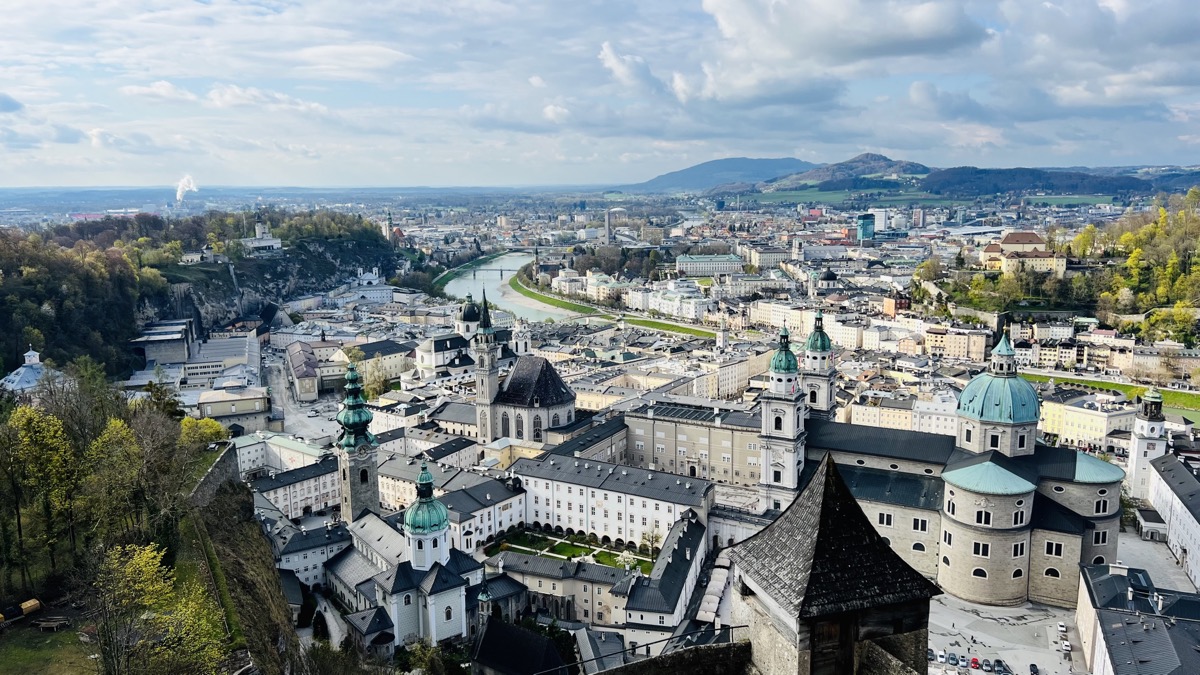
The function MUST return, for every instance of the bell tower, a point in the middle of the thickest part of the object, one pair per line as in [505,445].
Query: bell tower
[487,374]
[781,443]
[1149,442]
[356,449]
[818,375]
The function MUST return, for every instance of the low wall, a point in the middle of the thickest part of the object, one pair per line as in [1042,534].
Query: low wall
[222,471]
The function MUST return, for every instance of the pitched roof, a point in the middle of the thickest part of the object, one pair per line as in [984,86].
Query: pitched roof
[661,486]
[662,590]
[327,465]
[534,381]
[511,650]
[369,621]
[1017,238]
[894,443]
[822,556]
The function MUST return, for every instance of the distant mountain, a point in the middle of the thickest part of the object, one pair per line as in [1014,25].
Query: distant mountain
[720,172]
[866,164]
[969,181]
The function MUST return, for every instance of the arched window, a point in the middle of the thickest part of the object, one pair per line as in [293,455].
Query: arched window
[449,614]
[554,421]
[1098,560]
[407,600]
[918,546]
[946,561]
[1018,573]
[537,428]
[420,545]
[778,423]
[812,396]
[886,541]
[504,425]
[520,426]
[435,543]
[979,572]
[1051,572]
[362,476]
[570,416]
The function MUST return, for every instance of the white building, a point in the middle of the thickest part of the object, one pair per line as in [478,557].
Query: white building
[301,492]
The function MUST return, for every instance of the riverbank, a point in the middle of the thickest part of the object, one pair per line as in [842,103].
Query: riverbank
[1171,398]
[520,288]
[450,275]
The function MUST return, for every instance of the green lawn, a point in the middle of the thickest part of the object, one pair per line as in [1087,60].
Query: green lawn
[609,558]
[569,550]
[549,300]
[704,281]
[1171,398]
[28,651]
[670,327]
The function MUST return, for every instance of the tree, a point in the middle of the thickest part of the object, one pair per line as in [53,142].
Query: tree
[354,353]
[43,446]
[200,432]
[930,270]
[375,380]
[651,539]
[143,625]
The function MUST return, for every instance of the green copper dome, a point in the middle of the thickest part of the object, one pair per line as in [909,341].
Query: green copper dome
[999,395]
[818,340]
[784,360]
[427,515]
[354,417]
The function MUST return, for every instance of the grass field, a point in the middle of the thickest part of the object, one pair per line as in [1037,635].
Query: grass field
[1173,399]
[569,550]
[670,327]
[549,300]
[28,651]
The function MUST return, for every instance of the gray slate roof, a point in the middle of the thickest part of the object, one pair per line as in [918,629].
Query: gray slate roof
[822,556]
[534,378]
[661,591]
[556,569]
[327,465]
[893,443]
[590,437]
[666,487]
[1181,480]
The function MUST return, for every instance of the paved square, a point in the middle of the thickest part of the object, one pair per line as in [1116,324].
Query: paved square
[1156,558]
[1020,635]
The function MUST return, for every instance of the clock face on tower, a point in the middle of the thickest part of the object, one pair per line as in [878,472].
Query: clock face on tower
[363,450]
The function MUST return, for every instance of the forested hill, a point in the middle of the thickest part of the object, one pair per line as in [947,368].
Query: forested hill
[720,172]
[969,181]
[85,288]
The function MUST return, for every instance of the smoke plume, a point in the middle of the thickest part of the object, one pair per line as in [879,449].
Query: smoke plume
[186,185]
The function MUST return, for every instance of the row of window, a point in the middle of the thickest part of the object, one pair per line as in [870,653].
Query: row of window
[994,440]
[1053,548]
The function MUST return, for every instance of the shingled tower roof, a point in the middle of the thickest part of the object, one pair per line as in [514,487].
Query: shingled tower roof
[822,556]
[534,382]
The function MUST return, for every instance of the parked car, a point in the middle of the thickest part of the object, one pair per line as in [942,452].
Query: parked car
[941,656]
[1000,666]
[986,666]
[952,659]
[313,413]
[975,663]
[1033,669]
[930,655]
[1062,627]
[1066,646]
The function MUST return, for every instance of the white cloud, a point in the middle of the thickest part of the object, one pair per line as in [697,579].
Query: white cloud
[160,90]
[233,96]
[556,113]
[537,82]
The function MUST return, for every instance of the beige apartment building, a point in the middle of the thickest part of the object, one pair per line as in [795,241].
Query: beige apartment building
[721,446]
[242,410]
[956,343]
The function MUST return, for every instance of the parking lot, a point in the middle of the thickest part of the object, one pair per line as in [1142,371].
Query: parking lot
[1021,636]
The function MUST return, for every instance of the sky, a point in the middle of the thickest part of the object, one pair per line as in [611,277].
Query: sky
[550,92]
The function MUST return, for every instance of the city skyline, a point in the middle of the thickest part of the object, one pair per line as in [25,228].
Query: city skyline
[541,93]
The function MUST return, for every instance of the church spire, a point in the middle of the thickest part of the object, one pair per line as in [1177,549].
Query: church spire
[354,417]
[485,316]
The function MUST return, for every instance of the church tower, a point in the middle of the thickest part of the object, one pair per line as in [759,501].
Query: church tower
[722,336]
[487,374]
[521,340]
[781,443]
[818,375]
[1149,442]
[356,449]
[467,321]
[998,410]
[427,526]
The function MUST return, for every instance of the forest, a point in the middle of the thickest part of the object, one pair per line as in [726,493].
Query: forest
[77,290]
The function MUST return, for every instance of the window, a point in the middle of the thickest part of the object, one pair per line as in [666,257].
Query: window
[918,546]
[504,430]
[920,525]
[537,428]
[778,423]
[1100,537]
[1054,548]
[1019,549]
[660,620]
[420,545]
[1059,488]
[994,441]
[1098,560]
[777,476]
[979,572]
[983,517]
[520,426]
[1018,573]
[1051,572]
[982,550]
[554,420]
[885,519]
[1101,506]
[950,507]
[967,435]
[362,476]
[1018,518]
[1021,441]
[947,538]
[407,600]
[946,561]
[435,543]
[449,613]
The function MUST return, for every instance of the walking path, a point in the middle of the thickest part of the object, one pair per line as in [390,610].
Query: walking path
[334,621]
[592,550]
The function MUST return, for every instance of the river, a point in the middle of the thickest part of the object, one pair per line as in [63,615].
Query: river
[498,291]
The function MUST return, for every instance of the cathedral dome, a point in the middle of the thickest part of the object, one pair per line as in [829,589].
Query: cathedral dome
[999,395]
[427,515]
[469,311]
[784,360]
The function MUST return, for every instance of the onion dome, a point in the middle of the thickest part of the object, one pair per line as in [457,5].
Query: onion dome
[999,395]
[427,515]
[469,311]
[784,360]
[354,417]
[818,339]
